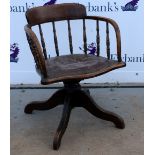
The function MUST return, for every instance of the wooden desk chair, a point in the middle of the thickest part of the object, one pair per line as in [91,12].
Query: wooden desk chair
[70,69]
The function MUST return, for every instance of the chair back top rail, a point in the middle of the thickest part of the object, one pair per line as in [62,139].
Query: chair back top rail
[55,13]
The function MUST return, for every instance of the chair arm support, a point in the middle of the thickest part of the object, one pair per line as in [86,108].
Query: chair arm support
[36,50]
[117,32]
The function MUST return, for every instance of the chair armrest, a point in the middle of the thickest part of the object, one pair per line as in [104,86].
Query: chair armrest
[36,50]
[117,32]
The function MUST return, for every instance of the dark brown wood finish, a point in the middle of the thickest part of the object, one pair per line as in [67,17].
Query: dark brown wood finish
[36,51]
[63,123]
[98,37]
[84,37]
[70,69]
[42,41]
[65,67]
[72,96]
[55,39]
[56,99]
[107,40]
[70,37]
[55,13]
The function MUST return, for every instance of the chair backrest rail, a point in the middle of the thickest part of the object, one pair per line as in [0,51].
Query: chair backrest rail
[42,42]
[70,37]
[55,39]
[84,36]
[98,37]
[107,40]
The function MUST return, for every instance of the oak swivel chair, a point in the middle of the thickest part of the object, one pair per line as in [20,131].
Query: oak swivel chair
[72,68]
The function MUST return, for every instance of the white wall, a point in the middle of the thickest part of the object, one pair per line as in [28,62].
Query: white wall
[130,23]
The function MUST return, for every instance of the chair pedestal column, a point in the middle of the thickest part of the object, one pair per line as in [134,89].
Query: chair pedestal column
[72,96]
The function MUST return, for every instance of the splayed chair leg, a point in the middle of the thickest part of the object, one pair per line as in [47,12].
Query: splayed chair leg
[63,123]
[89,104]
[56,99]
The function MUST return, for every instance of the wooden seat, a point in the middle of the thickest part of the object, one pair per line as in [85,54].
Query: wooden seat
[78,67]
[72,68]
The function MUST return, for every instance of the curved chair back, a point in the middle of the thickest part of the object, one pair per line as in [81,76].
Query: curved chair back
[67,11]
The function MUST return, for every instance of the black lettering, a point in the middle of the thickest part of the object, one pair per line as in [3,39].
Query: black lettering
[103,8]
[125,57]
[116,6]
[129,59]
[109,7]
[90,8]
[14,9]
[26,6]
[138,59]
[98,8]
[95,8]
[29,6]
[10,8]
[21,7]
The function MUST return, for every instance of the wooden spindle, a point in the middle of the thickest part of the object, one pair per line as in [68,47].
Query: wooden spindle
[107,40]
[55,39]
[70,37]
[98,37]
[42,41]
[84,37]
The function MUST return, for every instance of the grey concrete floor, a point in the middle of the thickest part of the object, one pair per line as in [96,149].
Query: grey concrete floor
[85,135]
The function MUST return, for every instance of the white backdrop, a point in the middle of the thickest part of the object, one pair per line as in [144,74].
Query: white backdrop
[130,23]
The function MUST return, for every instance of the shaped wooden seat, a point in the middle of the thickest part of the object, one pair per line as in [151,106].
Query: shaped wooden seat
[78,67]
[72,68]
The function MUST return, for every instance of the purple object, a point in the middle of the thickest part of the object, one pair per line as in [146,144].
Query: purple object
[130,6]
[91,48]
[14,52]
[51,2]
[133,3]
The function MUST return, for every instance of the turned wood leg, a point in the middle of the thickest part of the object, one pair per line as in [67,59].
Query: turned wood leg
[89,104]
[56,99]
[63,123]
